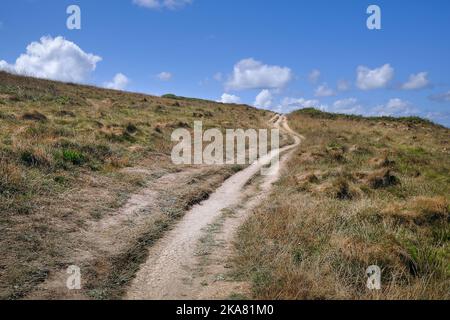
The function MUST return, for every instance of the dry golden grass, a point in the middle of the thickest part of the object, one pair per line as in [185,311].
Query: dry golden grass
[64,149]
[419,210]
[359,192]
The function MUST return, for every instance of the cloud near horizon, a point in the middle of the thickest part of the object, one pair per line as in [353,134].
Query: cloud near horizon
[396,107]
[393,107]
[229,98]
[252,74]
[290,104]
[119,82]
[348,106]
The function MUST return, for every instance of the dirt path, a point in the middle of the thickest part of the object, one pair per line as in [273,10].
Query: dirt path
[171,270]
[100,241]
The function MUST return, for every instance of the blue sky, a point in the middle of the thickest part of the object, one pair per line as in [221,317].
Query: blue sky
[288,53]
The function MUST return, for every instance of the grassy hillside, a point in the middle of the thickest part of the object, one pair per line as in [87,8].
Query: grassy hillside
[359,192]
[72,155]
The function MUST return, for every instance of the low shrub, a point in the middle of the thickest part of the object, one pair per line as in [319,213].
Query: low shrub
[74,157]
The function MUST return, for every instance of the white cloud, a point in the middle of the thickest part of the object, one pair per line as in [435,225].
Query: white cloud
[264,99]
[4,66]
[314,76]
[119,82]
[343,85]
[441,97]
[55,59]
[160,4]
[416,81]
[324,91]
[290,104]
[230,98]
[368,79]
[349,106]
[395,107]
[164,76]
[301,102]
[252,74]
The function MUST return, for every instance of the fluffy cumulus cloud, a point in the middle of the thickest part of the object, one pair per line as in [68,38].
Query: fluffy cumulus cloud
[417,81]
[395,107]
[160,4]
[119,82]
[368,79]
[314,76]
[441,97]
[55,59]
[164,76]
[264,99]
[229,98]
[252,74]
[324,91]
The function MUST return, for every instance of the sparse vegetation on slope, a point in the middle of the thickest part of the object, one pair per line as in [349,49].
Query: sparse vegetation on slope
[65,151]
[317,114]
[359,192]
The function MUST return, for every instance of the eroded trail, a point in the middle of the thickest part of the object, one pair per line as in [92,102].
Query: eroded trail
[171,270]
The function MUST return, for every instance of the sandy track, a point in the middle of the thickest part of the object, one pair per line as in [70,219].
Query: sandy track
[169,272]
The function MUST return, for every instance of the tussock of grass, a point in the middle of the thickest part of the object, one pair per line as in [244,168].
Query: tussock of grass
[420,210]
[34,115]
[381,179]
[359,192]
[11,180]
